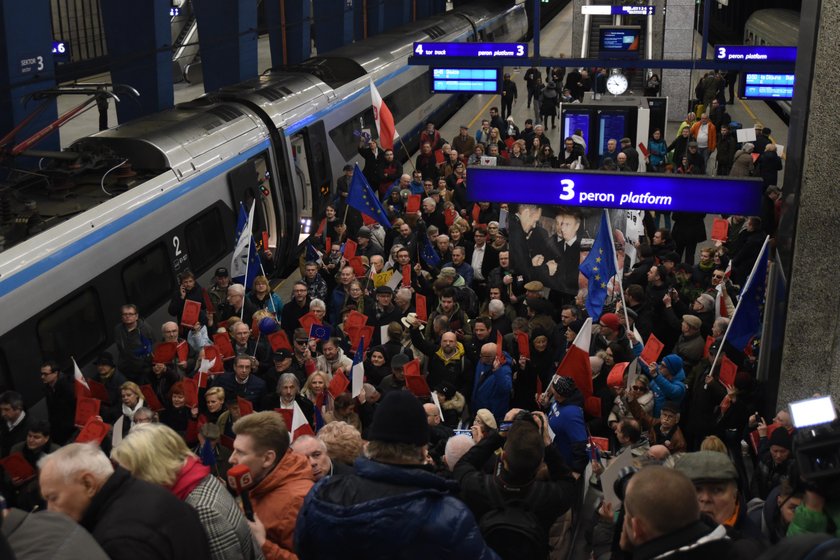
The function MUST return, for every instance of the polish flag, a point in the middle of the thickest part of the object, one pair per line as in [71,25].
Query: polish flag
[82,389]
[300,427]
[576,362]
[384,119]
[358,370]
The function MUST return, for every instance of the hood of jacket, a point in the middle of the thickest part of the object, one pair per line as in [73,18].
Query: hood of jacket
[291,468]
[456,356]
[456,403]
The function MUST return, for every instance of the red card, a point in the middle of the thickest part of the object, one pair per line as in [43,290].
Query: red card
[245,406]
[652,349]
[350,249]
[208,303]
[265,240]
[328,245]
[644,149]
[94,430]
[476,211]
[358,266]
[500,353]
[86,407]
[164,352]
[189,317]
[288,415]
[449,216]
[151,398]
[720,230]
[338,384]
[278,340]
[18,468]
[728,370]
[709,341]
[439,157]
[190,392]
[308,320]
[212,353]
[412,368]
[601,443]
[98,391]
[592,406]
[406,275]
[183,351]
[222,343]
[417,385]
[412,204]
[255,328]
[616,376]
[355,319]
[420,307]
[356,335]
[523,344]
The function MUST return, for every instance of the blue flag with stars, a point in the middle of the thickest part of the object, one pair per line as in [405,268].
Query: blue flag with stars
[362,198]
[599,268]
[746,322]
[430,256]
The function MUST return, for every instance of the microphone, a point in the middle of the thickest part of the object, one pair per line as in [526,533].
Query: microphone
[239,479]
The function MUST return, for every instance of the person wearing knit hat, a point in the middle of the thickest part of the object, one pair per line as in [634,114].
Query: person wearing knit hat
[391,503]
[667,380]
[565,417]
[774,459]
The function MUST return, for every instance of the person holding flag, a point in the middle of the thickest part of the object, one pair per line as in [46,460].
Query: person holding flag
[245,263]
[599,267]
[364,199]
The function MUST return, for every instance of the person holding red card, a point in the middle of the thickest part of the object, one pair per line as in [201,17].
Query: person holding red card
[242,382]
[108,376]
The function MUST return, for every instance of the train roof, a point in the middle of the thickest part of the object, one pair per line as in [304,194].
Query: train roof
[775,26]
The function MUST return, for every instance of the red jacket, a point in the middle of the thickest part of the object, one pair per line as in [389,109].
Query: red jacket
[277,499]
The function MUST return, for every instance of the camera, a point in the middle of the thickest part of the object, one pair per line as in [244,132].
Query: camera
[817,444]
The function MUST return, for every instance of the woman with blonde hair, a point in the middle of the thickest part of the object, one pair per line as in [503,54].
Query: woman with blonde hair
[157,454]
[262,296]
[315,388]
[132,401]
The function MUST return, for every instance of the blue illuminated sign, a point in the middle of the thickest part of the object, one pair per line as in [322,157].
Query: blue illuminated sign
[465,80]
[631,191]
[632,10]
[767,86]
[475,50]
[755,52]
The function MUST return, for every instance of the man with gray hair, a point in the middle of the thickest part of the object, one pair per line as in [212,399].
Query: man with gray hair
[237,305]
[316,451]
[456,447]
[121,512]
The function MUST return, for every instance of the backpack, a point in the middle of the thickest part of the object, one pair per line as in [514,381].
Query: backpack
[511,529]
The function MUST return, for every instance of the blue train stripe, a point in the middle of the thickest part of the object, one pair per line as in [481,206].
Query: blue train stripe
[98,235]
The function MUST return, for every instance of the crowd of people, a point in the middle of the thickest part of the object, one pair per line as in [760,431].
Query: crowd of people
[420,393]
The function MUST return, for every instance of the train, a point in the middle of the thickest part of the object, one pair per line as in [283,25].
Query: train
[773,27]
[117,216]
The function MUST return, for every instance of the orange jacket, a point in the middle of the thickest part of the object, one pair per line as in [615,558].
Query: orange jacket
[277,499]
[695,128]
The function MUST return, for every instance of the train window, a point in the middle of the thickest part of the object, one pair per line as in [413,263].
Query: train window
[148,280]
[253,181]
[75,327]
[206,240]
[408,98]
[343,137]
[5,374]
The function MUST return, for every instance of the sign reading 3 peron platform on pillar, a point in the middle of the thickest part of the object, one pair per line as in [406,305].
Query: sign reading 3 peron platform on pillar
[631,191]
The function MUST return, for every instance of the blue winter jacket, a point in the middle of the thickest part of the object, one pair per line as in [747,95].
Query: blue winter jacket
[491,389]
[665,390]
[387,511]
[570,437]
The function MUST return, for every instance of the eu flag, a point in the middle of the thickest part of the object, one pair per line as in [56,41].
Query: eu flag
[599,268]
[321,332]
[430,256]
[245,264]
[746,322]
[362,198]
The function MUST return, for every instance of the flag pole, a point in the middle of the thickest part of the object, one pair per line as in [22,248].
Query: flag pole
[247,261]
[748,284]
[619,272]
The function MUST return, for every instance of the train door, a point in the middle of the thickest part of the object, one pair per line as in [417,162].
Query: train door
[254,182]
[313,177]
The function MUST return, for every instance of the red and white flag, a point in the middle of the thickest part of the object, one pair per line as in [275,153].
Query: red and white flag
[384,119]
[81,384]
[576,362]
[300,427]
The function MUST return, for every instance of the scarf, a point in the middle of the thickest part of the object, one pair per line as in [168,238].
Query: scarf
[190,476]
[734,518]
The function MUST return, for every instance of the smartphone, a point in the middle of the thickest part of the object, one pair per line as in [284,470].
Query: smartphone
[504,427]
[463,433]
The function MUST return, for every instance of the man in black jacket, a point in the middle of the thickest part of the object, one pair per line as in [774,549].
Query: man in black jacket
[61,401]
[122,513]
[526,444]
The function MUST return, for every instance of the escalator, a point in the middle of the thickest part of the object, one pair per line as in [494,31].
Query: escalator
[185,50]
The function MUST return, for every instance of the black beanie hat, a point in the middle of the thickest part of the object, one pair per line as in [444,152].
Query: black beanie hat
[400,418]
[780,437]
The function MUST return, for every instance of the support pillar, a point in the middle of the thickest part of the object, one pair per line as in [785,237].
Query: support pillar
[288,23]
[429,8]
[397,14]
[333,23]
[375,17]
[677,44]
[26,66]
[808,361]
[139,42]
[227,36]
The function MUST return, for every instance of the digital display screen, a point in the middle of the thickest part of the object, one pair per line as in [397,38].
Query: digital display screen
[629,191]
[466,80]
[767,86]
[620,41]
[475,50]
[576,121]
[610,125]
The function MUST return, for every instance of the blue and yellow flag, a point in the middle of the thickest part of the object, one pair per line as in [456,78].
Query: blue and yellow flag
[599,268]
[362,198]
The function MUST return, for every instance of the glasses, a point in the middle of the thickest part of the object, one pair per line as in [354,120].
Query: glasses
[129,314]
[719,277]
[637,388]
[301,342]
